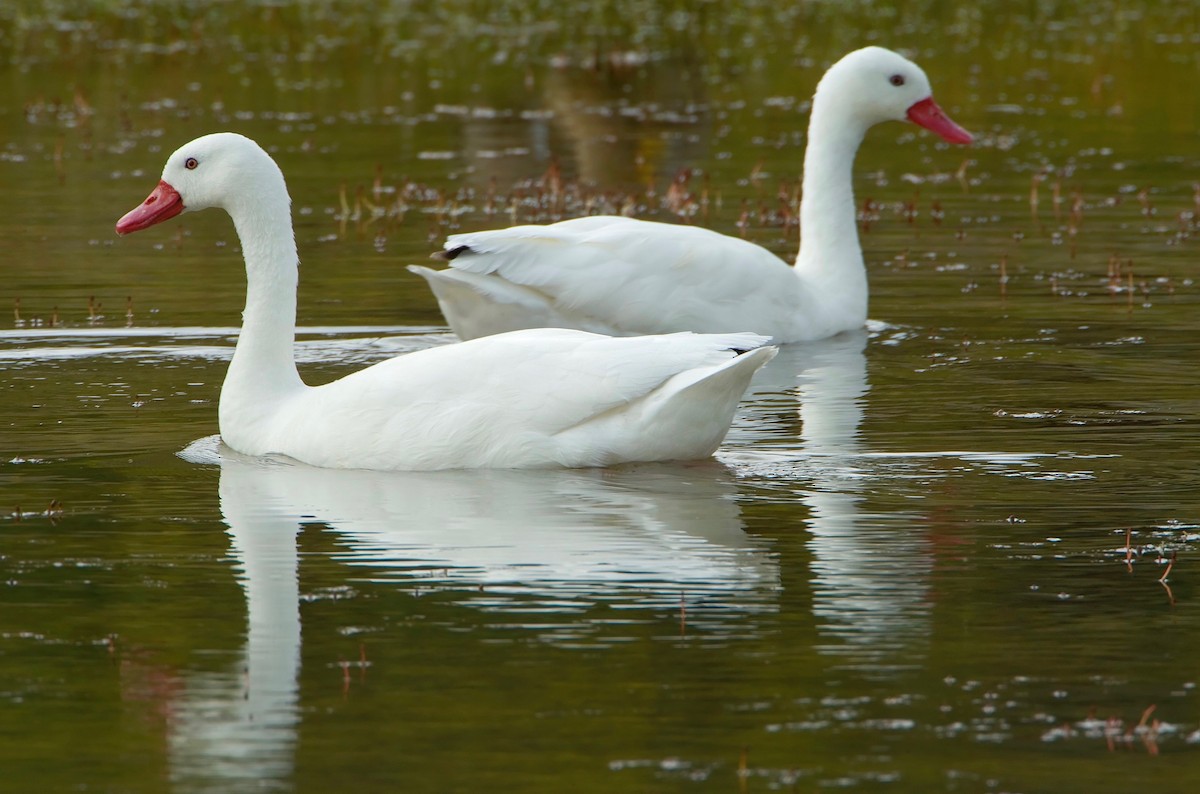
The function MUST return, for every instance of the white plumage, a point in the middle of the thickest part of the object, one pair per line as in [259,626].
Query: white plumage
[537,398]
[621,276]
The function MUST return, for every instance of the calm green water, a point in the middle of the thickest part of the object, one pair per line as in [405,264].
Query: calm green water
[906,570]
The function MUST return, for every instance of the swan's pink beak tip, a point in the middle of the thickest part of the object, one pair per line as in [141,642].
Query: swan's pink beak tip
[927,114]
[163,203]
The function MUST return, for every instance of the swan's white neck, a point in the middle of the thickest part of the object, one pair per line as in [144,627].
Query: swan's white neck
[830,260]
[263,369]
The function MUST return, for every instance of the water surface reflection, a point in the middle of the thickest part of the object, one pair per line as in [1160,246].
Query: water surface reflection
[869,573]
[638,537]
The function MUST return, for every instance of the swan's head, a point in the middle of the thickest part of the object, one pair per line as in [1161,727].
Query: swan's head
[220,170]
[875,85]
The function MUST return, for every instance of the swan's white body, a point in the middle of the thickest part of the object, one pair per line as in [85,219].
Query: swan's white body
[538,398]
[622,276]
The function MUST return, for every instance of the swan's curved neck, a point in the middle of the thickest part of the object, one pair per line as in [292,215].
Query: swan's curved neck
[828,218]
[264,365]
[829,265]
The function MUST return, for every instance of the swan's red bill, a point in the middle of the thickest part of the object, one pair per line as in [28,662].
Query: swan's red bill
[927,114]
[165,202]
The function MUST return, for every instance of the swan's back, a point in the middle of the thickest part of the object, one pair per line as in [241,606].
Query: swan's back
[611,275]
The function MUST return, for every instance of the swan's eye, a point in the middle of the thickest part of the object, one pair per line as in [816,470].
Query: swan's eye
[191,163]
[897,80]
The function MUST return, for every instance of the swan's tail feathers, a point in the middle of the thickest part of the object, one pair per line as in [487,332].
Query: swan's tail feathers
[687,416]
[453,283]
[480,305]
[731,378]
[700,404]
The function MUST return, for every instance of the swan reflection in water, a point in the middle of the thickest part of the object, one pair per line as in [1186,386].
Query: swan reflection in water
[561,540]
[869,573]
[639,536]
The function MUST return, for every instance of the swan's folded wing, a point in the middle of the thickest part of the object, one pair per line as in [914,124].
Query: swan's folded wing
[638,276]
[604,373]
[559,376]
[546,379]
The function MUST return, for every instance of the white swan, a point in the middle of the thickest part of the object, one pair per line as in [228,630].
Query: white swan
[529,399]
[622,276]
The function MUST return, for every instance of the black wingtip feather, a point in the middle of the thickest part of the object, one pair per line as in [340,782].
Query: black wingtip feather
[449,253]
